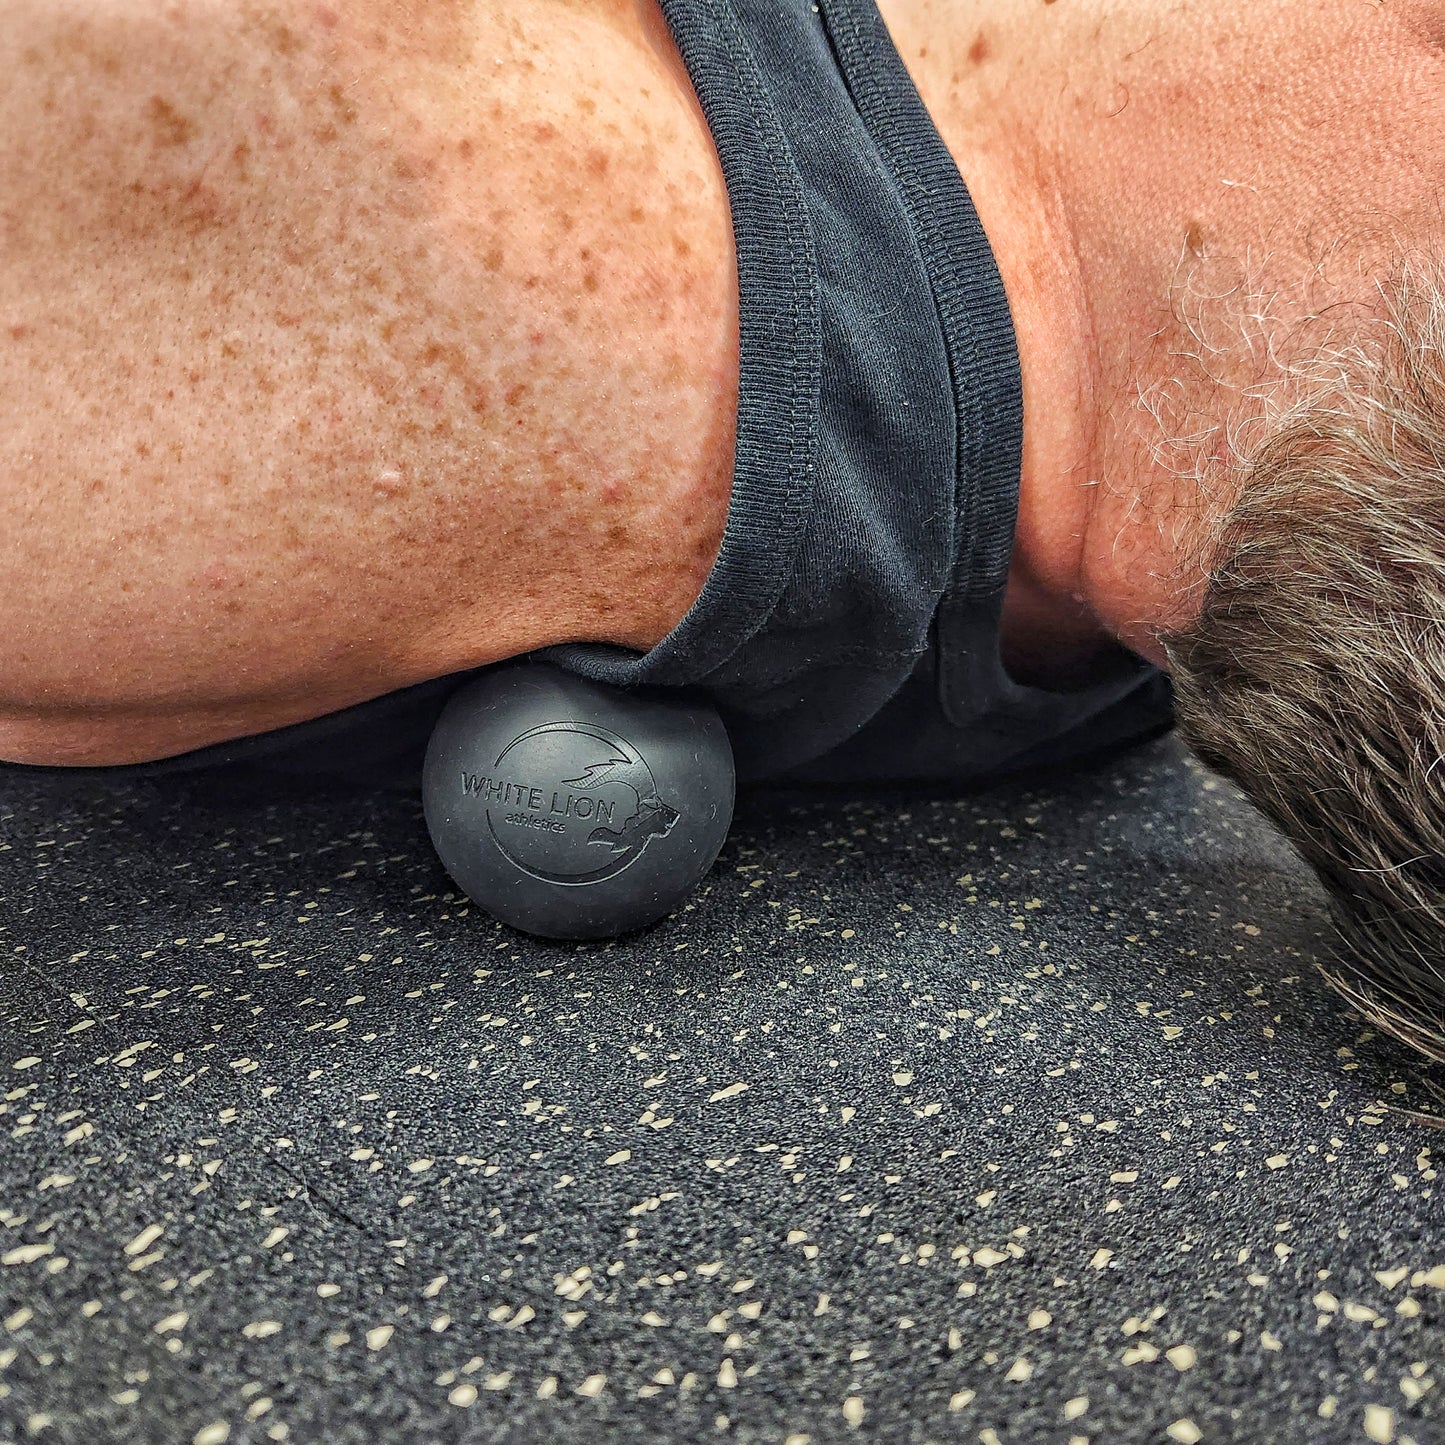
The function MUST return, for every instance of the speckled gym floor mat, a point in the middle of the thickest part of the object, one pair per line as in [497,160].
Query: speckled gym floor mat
[1017,1117]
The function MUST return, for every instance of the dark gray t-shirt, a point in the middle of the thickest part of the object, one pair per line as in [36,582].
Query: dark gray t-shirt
[849,631]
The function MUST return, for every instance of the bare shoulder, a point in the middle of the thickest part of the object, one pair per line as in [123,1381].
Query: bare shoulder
[337,346]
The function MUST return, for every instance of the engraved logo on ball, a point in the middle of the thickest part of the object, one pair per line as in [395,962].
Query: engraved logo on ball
[571,803]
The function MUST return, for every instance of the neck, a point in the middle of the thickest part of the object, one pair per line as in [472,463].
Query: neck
[1165,241]
[975,71]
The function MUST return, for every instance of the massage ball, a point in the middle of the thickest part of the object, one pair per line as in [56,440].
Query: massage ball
[571,809]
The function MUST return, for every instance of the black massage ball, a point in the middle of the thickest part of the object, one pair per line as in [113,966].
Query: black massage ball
[571,809]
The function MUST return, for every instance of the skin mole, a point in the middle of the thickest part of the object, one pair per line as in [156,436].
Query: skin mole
[168,125]
[449,353]
[345,110]
[283,38]
[980,50]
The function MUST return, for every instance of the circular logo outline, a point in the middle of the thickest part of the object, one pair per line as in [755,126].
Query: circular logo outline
[654,819]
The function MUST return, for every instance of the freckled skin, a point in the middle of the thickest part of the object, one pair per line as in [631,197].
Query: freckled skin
[340,349]
[420,321]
